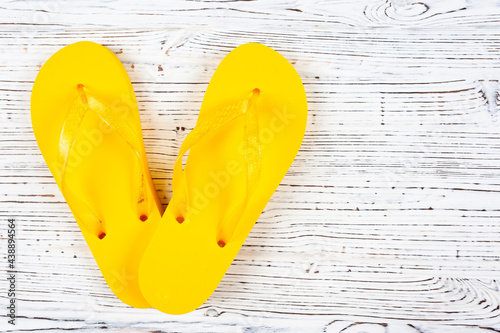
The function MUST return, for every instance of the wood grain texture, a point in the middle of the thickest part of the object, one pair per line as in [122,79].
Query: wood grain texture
[389,218]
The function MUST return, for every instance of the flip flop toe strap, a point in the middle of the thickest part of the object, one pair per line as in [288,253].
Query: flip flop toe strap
[244,108]
[83,103]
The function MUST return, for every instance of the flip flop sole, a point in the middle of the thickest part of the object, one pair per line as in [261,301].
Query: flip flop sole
[189,255]
[102,169]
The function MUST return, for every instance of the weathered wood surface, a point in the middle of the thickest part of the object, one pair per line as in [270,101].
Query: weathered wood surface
[388,220]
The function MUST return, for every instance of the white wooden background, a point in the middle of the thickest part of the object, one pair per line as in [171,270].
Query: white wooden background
[389,218]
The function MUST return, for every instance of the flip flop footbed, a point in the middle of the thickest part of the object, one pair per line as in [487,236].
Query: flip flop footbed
[86,122]
[249,130]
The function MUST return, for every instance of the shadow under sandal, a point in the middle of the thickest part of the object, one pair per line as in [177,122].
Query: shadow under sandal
[86,122]
[249,130]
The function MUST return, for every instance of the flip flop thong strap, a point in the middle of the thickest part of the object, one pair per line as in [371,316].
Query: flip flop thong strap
[77,111]
[220,117]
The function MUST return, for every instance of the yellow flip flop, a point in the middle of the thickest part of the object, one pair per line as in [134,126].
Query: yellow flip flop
[250,127]
[86,123]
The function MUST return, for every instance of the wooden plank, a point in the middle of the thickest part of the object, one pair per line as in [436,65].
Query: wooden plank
[388,220]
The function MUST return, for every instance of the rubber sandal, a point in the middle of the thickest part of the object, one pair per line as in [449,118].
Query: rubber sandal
[86,123]
[249,130]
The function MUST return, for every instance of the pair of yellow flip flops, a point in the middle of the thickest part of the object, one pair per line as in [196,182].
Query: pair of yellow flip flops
[250,127]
